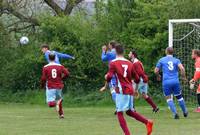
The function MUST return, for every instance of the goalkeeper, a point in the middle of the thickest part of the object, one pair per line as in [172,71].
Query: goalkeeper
[196,57]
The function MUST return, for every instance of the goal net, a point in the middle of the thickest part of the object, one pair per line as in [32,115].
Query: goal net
[184,36]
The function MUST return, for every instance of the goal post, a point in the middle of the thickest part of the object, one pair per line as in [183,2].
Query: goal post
[184,35]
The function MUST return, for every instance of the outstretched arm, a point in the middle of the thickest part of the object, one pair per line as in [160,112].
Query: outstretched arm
[64,56]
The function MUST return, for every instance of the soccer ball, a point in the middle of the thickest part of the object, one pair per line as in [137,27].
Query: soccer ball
[24,40]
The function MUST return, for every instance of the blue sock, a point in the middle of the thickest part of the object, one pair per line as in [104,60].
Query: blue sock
[182,105]
[172,106]
[114,97]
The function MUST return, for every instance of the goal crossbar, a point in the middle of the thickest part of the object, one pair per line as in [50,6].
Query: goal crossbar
[175,21]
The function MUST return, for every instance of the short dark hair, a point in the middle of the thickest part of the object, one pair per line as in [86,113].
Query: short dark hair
[119,49]
[134,53]
[113,43]
[170,50]
[196,52]
[45,46]
[52,56]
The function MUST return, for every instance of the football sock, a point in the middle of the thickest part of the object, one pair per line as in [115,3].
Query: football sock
[171,105]
[181,103]
[150,101]
[198,99]
[137,116]
[61,110]
[122,122]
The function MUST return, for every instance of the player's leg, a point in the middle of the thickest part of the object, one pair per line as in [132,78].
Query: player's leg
[167,89]
[130,112]
[51,97]
[179,97]
[198,99]
[121,106]
[143,89]
[59,103]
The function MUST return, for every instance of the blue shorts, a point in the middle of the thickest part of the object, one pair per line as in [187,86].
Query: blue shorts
[53,94]
[124,102]
[171,87]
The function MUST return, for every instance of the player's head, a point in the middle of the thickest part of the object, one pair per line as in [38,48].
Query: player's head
[52,56]
[119,50]
[132,54]
[195,53]
[44,48]
[169,51]
[112,44]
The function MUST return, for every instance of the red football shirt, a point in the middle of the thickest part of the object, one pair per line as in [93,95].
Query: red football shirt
[124,71]
[53,74]
[139,68]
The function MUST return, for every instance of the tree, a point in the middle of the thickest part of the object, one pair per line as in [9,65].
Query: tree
[24,14]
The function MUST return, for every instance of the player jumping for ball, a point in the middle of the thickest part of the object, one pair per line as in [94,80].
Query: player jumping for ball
[196,57]
[170,67]
[143,85]
[124,71]
[52,76]
[45,49]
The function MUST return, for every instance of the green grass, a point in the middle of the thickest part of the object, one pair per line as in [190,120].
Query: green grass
[20,119]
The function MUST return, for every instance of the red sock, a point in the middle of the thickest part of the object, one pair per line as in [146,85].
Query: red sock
[61,110]
[137,116]
[122,122]
[150,101]
[52,104]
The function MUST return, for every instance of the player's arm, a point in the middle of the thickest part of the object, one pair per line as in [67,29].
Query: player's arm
[43,78]
[157,70]
[65,73]
[64,56]
[104,87]
[195,78]
[140,72]
[110,72]
[182,70]
[136,79]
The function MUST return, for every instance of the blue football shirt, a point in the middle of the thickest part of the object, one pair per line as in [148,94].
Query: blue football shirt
[169,67]
[58,56]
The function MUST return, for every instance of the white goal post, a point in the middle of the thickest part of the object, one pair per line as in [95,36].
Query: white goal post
[184,36]
[177,21]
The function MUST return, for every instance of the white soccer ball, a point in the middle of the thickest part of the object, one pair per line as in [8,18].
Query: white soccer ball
[24,40]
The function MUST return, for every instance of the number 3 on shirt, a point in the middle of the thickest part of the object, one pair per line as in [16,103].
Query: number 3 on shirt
[170,65]
[125,70]
[54,73]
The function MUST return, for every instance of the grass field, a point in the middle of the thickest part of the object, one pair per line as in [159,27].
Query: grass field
[19,119]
